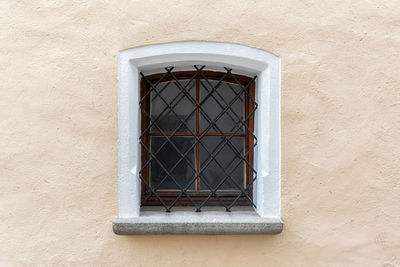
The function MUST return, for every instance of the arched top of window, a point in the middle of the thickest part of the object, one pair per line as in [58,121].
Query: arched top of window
[243,59]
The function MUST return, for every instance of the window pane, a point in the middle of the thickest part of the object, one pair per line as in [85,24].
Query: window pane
[224,94]
[227,160]
[169,94]
[168,157]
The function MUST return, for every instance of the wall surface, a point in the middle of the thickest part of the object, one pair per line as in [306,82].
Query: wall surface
[340,130]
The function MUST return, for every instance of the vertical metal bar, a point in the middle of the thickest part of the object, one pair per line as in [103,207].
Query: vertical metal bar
[144,122]
[247,140]
[251,107]
[197,185]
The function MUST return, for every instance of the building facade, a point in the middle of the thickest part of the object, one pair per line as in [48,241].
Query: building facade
[340,130]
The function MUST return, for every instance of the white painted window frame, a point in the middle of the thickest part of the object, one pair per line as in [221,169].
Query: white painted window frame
[243,60]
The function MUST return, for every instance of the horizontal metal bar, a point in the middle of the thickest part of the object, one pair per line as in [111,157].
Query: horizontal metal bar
[189,134]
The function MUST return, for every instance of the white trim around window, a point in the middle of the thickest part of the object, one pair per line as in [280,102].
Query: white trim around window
[267,196]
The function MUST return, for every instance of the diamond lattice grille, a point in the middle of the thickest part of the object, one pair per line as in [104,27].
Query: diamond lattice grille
[197,138]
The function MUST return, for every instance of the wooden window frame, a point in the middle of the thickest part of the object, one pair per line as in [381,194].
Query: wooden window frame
[169,196]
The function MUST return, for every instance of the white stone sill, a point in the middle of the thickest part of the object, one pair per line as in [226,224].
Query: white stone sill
[210,221]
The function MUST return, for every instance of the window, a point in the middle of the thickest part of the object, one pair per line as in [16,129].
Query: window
[197,138]
[217,149]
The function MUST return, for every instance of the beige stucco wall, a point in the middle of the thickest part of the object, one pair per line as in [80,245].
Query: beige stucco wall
[340,130]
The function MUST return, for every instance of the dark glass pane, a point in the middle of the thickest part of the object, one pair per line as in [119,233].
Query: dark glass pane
[170,94]
[227,160]
[168,157]
[224,94]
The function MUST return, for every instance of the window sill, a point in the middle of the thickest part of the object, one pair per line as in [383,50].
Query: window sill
[211,221]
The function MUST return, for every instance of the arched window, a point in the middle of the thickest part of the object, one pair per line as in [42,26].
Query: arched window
[199,126]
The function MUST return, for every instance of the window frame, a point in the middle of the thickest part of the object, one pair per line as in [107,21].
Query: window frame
[225,195]
[149,59]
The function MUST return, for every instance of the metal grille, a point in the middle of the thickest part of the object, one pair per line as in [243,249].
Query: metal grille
[197,190]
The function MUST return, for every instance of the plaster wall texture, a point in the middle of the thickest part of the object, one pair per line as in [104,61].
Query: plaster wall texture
[340,130]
